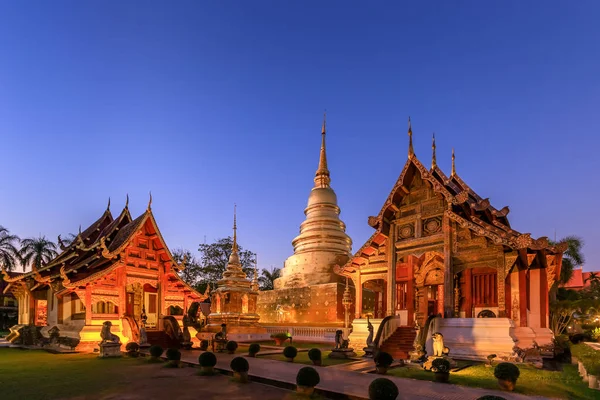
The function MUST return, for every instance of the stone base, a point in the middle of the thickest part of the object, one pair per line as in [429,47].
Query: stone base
[473,338]
[358,337]
[369,350]
[525,336]
[342,353]
[110,350]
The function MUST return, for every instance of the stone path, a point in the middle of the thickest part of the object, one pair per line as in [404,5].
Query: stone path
[351,383]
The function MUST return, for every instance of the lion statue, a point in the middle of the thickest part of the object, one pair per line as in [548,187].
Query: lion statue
[439,349]
[340,342]
[106,335]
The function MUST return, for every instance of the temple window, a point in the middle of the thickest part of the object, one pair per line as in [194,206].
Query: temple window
[102,307]
[402,295]
[485,293]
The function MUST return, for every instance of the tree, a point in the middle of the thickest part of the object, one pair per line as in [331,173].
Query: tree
[572,257]
[37,252]
[214,258]
[9,254]
[192,272]
[593,279]
[266,281]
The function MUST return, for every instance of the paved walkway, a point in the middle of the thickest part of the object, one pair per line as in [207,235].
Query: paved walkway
[353,384]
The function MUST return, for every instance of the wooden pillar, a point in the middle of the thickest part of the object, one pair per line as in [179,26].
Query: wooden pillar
[448,269]
[390,297]
[88,304]
[410,296]
[523,297]
[122,284]
[543,297]
[468,293]
[358,301]
[508,297]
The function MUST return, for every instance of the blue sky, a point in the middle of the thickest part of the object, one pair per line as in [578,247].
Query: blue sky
[207,103]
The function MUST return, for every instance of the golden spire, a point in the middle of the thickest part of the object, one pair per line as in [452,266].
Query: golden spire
[411,151]
[234,248]
[150,202]
[433,159]
[322,178]
[453,164]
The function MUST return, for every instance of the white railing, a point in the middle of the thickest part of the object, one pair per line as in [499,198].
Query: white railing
[307,333]
[388,326]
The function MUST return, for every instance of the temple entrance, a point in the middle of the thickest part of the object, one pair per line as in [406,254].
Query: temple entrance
[435,300]
[150,304]
[379,288]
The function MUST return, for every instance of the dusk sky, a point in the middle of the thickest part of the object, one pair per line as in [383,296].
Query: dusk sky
[211,103]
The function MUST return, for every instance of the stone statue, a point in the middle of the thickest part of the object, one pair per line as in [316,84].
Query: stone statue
[223,334]
[107,336]
[340,342]
[171,328]
[438,344]
[370,337]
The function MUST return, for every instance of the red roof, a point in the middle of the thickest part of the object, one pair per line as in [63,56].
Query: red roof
[579,279]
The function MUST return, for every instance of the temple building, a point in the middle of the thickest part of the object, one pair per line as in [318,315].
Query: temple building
[233,302]
[440,249]
[114,270]
[309,292]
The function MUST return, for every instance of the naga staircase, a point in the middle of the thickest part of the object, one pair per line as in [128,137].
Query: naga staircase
[400,343]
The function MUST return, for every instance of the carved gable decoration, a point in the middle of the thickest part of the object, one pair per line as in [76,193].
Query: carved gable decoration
[430,271]
[406,231]
[432,226]
[509,261]
[551,270]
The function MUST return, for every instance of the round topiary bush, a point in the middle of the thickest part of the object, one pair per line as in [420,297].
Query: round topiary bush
[253,349]
[383,359]
[290,352]
[507,372]
[315,356]
[203,344]
[383,389]
[156,351]
[440,365]
[490,397]
[231,346]
[207,359]
[173,355]
[308,377]
[239,364]
[132,346]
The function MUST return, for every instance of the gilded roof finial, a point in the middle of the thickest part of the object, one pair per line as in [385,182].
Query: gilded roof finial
[80,229]
[127,201]
[453,163]
[433,159]
[108,206]
[322,178]
[150,202]
[411,151]
[235,246]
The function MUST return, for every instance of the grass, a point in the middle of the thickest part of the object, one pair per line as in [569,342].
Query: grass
[565,384]
[298,345]
[302,358]
[36,374]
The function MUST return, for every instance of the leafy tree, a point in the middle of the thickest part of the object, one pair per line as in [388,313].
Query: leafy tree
[593,279]
[572,257]
[37,252]
[266,281]
[564,312]
[9,254]
[214,258]
[192,272]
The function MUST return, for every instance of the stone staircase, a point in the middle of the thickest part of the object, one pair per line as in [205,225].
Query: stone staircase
[400,343]
[162,339]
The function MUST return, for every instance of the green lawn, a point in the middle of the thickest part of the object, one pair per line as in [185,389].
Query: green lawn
[298,345]
[302,358]
[36,374]
[565,384]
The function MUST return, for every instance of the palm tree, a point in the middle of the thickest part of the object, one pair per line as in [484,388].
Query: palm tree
[572,257]
[9,255]
[593,278]
[37,251]
[267,279]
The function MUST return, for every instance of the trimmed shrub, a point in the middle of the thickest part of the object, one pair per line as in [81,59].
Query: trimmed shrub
[507,372]
[314,354]
[173,355]
[204,344]
[239,364]
[383,389]
[440,365]
[207,359]
[253,349]
[383,359]
[490,397]
[308,377]
[280,335]
[231,346]
[156,351]
[132,346]
[290,352]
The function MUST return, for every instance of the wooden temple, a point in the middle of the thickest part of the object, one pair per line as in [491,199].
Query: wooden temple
[112,271]
[441,249]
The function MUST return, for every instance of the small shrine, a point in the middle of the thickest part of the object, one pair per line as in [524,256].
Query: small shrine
[233,303]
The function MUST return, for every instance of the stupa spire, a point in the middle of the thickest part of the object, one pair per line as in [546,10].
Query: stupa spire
[411,150]
[433,158]
[322,178]
[453,163]
[234,247]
